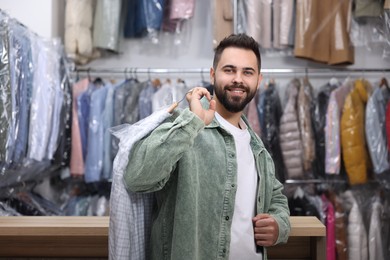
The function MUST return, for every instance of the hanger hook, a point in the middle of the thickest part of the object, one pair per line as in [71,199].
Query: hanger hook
[135,73]
[125,72]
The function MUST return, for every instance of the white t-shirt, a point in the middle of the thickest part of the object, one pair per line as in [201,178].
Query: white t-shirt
[242,243]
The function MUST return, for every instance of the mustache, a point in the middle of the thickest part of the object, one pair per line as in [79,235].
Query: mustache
[237,86]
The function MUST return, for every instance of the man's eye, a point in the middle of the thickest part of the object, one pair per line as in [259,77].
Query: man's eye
[228,70]
[248,72]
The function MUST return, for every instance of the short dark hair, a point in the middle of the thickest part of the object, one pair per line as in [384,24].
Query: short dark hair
[242,41]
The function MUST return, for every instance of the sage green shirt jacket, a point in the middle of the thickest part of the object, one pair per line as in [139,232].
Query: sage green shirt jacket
[192,169]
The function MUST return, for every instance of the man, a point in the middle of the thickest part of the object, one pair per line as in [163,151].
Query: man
[217,196]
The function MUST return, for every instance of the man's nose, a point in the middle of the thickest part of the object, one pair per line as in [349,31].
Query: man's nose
[237,77]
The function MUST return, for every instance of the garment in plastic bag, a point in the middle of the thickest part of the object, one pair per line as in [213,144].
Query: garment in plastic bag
[130,213]
[106,24]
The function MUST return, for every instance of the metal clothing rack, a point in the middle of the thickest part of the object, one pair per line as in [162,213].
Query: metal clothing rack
[134,71]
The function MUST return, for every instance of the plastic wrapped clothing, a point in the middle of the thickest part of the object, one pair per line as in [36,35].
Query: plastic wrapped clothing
[222,20]
[270,112]
[340,226]
[78,30]
[386,19]
[106,24]
[319,122]
[375,121]
[357,234]
[353,141]
[290,139]
[305,111]
[330,228]
[130,213]
[332,127]
[322,31]
[143,17]
[375,246]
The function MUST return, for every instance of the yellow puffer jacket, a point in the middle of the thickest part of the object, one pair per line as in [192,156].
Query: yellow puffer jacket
[353,142]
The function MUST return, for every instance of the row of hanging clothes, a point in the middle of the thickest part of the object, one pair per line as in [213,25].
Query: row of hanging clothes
[100,104]
[337,130]
[357,220]
[35,91]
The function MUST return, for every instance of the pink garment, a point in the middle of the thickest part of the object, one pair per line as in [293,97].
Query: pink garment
[332,127]
[76,155]
[182,9]
[253,117]
[330,230]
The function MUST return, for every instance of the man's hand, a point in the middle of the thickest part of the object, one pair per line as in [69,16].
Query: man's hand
[193,98]
[266,230]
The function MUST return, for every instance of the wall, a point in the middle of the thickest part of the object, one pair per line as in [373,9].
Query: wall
[44,17]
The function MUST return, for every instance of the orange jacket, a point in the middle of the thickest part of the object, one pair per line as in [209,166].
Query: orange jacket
[353,142]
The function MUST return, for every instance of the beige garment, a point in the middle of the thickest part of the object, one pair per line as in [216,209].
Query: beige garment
[76,154]
[290,140]
[253,14]
[305,97]
[223,20]
[276,24]
[387,4]
[322,31]
[266,24]
[286,18]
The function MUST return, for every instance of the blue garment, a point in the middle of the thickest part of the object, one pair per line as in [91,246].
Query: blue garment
[83,102]
[108,120]
[94,158]
[145,100]
[24,85]
[375,129]
[143,16]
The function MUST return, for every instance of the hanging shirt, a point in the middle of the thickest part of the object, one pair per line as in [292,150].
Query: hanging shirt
[130,213]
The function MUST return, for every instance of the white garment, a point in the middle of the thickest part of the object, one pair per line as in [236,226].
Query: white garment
[375,246]
[130,213]
[242,243]
[357,235]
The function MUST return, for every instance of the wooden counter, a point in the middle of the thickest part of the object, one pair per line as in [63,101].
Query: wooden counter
[88,237]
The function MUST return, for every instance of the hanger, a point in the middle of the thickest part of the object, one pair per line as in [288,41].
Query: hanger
[384,83]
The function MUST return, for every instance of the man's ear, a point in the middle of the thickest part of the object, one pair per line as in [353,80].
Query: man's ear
[212,75]
[260,80]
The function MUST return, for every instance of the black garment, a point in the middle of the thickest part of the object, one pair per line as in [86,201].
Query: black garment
[270,111]
[319,121]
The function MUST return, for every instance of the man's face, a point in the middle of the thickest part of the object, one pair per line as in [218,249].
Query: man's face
[235,79]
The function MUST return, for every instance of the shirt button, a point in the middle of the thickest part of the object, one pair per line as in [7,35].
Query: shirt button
[233,185]
[231,155]
[227,217]
[224,250]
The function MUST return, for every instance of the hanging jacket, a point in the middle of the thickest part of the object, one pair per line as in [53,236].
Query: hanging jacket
[375,129]
[271,111]
[388,125]
[353,144]
[322,31]
[319,122]
[357,234]
[130,213]
[375,246]
[305,108]
[341,220]
[223,20]
[332,127]
[330,229]
[290,139]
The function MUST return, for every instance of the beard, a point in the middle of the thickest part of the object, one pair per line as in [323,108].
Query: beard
[233,104]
